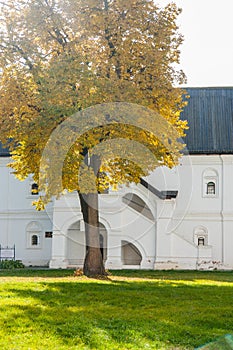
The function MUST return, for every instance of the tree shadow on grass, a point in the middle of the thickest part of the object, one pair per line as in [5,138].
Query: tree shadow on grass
[124,315]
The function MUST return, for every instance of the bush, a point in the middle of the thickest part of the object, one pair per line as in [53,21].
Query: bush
[11,264]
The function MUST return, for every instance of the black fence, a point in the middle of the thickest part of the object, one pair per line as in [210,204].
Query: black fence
[7,253]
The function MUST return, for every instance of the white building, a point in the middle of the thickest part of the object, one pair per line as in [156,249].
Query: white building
[178,218]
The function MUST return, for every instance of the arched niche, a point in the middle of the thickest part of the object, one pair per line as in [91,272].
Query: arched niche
[130,254]
[76,243]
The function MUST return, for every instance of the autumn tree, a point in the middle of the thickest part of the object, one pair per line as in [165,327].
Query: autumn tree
[77,75]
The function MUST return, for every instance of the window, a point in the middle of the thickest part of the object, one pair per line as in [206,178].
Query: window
[34,189]
[33,235]
[201,241]
[200,236]
[210,183]
[210,188]
[34,240]
[48,234]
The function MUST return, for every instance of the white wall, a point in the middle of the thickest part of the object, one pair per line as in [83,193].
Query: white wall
[168,241]
[16,212]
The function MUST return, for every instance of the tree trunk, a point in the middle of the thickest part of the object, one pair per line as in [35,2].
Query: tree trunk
[93,263]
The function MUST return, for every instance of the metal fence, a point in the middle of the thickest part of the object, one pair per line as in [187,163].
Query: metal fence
[7,253]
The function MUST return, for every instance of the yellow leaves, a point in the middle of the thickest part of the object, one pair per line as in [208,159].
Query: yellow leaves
[114,187]
[79,54]
[93,90]
[87,180]
[39,204]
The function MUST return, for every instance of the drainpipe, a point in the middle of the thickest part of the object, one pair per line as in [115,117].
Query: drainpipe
[8,205]
[222,207]
[156,238]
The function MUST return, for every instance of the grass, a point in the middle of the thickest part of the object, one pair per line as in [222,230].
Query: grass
[51,309]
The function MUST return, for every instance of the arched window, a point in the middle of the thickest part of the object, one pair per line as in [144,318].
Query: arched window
[34,235]
[200,236]
[210,188]
[210,183]
[34,240]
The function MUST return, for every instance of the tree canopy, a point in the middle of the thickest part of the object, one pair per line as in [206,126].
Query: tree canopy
[62,59]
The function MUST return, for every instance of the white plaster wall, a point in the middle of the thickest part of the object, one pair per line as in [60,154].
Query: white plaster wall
[16,212]
[214,213]
[168,241]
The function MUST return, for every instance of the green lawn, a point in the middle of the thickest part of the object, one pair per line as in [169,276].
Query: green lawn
[46,309]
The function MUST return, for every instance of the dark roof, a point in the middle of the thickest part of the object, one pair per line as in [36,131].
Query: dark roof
[210,118]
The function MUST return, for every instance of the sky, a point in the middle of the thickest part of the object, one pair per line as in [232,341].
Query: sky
[207,52]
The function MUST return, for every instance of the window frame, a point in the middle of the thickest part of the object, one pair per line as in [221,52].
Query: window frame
[33,229]
[201,232]
[210,176]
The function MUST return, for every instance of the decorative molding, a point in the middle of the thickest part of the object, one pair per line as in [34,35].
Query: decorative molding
[206,160]
[201,214]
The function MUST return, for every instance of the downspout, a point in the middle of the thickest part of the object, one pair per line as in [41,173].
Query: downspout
[8,205]
[222,208]
[156,233]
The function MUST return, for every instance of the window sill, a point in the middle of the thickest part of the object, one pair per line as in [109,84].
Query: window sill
[34,248]
[30,196]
